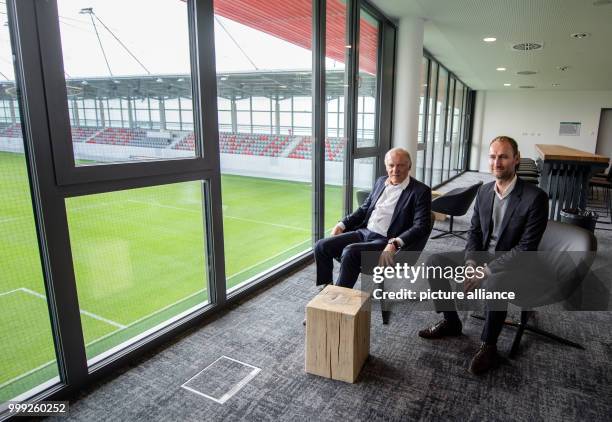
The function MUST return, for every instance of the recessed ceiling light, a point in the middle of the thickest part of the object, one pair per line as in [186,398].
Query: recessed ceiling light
[526,86]
[507,84]
[526,72]
[563,68]
[580,35]
[555,85]
[489,39]
[528,46]
[501,69]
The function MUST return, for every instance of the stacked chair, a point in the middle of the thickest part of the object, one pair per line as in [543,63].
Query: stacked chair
[601,185]
[528,171]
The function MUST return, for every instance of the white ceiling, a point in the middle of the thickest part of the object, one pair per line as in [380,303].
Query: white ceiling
[454,32]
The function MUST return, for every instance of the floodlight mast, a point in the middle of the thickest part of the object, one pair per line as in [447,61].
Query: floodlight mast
[89,11]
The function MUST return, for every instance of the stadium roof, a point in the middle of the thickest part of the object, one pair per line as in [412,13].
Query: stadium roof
[292,22]
[270,84]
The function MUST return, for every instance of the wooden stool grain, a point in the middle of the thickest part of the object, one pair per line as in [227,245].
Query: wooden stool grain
[338,333]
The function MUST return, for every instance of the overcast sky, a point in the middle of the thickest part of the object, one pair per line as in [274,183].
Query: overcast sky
[156,33]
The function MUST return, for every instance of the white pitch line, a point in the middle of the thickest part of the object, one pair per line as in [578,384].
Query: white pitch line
[9,292]
[84,312]
[282,226]
[146,316]
[51,362]
[10,219]
[264,261]
[248,220]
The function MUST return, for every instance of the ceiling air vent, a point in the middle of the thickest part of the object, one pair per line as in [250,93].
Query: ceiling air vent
[526,86]
[526,72]
[528,46]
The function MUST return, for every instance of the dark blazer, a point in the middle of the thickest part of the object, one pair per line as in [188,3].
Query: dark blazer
[522,227]
[411,220]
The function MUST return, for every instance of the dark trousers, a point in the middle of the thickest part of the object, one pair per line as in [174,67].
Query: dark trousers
[347,248]
[494,320]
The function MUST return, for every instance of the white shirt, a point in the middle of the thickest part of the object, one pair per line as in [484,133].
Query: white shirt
[380,219]
[508,190]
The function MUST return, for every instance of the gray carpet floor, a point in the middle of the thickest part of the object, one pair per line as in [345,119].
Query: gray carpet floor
[405,378]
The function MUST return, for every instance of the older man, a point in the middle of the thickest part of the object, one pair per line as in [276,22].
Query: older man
[397,212]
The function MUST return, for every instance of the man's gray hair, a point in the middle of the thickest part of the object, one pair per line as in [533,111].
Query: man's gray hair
[399,150]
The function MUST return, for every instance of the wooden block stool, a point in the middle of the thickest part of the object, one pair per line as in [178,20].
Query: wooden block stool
[337,333]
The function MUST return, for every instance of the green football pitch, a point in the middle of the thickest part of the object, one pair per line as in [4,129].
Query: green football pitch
[139,259]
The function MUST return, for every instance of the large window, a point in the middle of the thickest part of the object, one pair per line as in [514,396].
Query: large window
[27,355]
[367,86]
[266,161]
[139,258]
[443,133]
[128,101]
[336,55]
[170,161]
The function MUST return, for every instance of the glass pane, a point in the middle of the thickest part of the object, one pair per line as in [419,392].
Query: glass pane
[368,67]
[457,128]
[446,158]
[139,259]
[363,177]
[419,171]
[431,113]
[264,52]
[336,54]
[27,354]
[440,127]
[124,95]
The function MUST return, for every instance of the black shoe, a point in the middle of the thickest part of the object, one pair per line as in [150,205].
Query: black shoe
[486,359]
[444,328]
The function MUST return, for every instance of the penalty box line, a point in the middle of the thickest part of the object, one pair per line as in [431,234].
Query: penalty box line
[82,311]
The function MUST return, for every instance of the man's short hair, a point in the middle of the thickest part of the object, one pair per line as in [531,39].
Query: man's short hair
[400,150]
[509,140]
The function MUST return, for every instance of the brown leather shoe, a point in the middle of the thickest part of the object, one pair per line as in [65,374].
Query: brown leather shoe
[444,328]
[485,359]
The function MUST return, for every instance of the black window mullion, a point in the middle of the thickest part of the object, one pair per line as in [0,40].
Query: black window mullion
[350,97]
[426,120]
[433,126]
[319,117]
[452,120]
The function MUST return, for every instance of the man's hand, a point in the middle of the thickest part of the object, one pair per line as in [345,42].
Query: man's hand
[337,230]
[387,257]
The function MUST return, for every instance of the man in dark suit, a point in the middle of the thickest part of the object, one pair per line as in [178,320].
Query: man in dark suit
[509,217]
[396,213]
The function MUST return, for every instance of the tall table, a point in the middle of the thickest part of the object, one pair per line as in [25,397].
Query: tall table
[565,174]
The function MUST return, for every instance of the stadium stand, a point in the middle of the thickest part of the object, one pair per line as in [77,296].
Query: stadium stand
[229,143]
[128,137]
[82,134]
[11,131]
[334,149]
[244,143]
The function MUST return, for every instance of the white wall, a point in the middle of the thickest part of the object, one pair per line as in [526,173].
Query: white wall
[533,117]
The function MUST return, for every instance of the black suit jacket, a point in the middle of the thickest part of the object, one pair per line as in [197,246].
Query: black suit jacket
[411,220]
[522,226]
